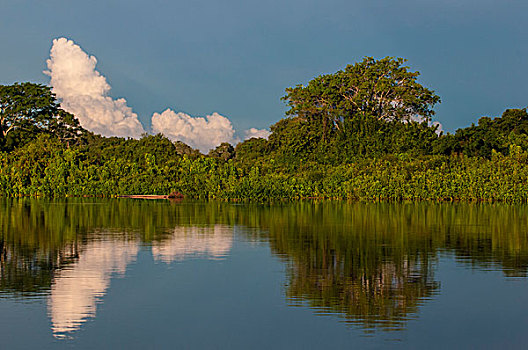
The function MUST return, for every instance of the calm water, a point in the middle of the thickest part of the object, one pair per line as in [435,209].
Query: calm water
[154,274]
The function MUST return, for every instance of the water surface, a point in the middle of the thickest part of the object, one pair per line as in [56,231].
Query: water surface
[155,274]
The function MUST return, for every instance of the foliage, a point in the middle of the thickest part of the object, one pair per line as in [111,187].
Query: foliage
[383,89]
[223,151]
[362,133]
[251,150]
[490,135]
[28,109]
[184,149]
[367,102]
[151,165]
[370,109]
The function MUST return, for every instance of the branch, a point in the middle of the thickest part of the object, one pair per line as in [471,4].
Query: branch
[8,130]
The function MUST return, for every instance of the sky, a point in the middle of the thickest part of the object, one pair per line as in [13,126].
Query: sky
[174,61]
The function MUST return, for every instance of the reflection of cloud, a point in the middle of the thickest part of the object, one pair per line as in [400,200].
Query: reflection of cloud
[208,242]
[76,290]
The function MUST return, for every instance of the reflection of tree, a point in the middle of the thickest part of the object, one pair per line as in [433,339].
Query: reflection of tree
[373,263]
[489,236]
[365,264]
[28,272]
[70,251]
[383,296]
[40,237]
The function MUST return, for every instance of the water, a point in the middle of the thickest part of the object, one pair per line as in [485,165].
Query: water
[135,274]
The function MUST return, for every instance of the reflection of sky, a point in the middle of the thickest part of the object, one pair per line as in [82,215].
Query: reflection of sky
[76,290]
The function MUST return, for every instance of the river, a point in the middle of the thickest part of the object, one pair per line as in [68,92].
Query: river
[136,274]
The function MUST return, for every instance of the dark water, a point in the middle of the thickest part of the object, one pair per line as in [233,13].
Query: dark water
[146,274]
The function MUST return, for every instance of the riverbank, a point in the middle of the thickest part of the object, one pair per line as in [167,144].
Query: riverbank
[50,169]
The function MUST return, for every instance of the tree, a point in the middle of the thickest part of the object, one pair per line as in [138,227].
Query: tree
[383,90]
[223,151]
[251,149]
[491,134]
[28,109]
[371,108]
[184,149]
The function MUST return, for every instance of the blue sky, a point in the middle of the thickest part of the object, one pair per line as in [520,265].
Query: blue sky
[236,57]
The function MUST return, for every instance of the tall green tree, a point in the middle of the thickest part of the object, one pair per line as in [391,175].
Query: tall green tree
[382,89]
[371,108]
[27,109]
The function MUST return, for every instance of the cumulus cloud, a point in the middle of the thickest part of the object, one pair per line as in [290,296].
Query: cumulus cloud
[83,91]
[197,132]
[256,133]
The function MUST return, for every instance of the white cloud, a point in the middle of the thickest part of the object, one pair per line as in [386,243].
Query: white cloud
[256,133]
[83,91]
[197,132]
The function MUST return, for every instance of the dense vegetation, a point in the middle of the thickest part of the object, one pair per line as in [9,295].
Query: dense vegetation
[362,133]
